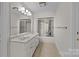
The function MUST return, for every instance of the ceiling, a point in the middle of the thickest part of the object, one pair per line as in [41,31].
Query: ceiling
[34,6]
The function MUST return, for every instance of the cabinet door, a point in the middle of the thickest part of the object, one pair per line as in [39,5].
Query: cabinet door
[28,50]
[17,49]
[31,46]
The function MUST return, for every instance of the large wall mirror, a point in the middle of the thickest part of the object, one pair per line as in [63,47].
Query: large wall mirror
[25,25]
[20,22]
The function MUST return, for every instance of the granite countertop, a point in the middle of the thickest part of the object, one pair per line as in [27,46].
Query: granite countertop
[25,38]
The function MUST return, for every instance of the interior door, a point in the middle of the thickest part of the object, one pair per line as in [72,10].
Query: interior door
[77,25]
[45,27]
[76,28]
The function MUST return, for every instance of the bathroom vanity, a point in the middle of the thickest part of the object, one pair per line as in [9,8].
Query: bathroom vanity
[23,41]
[23,45]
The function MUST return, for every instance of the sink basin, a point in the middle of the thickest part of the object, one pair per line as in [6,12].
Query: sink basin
[23,38]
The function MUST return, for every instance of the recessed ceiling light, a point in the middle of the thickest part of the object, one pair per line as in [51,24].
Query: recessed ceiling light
[42,4]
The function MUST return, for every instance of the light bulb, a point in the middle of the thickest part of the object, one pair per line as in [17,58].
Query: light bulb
[29,14]
[21,8]
[26,10]
[25,13]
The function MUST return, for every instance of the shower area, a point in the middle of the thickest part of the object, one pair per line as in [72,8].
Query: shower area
[46,27]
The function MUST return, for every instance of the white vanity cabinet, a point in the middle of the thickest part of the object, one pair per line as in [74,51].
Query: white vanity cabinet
[24,48]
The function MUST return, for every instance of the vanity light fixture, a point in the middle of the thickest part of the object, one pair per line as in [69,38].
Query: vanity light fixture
[26,10]
[21,9]
[25,13]
[29,13]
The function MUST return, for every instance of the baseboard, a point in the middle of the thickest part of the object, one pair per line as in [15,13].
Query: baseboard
[64,53]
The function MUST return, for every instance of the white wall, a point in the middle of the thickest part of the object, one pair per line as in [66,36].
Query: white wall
[14,23]
[63,37]
[4,28]
[44,14]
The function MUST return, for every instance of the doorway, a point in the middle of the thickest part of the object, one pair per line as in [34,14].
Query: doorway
[46,27]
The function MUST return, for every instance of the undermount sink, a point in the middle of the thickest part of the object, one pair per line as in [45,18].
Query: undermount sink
[24,38]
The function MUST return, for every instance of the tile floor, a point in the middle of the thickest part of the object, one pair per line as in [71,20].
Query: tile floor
[46,49]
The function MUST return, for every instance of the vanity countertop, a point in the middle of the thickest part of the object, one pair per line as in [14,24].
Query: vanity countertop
[25,38]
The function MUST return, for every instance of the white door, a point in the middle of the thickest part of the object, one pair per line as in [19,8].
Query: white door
[76,28]
[77,25]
